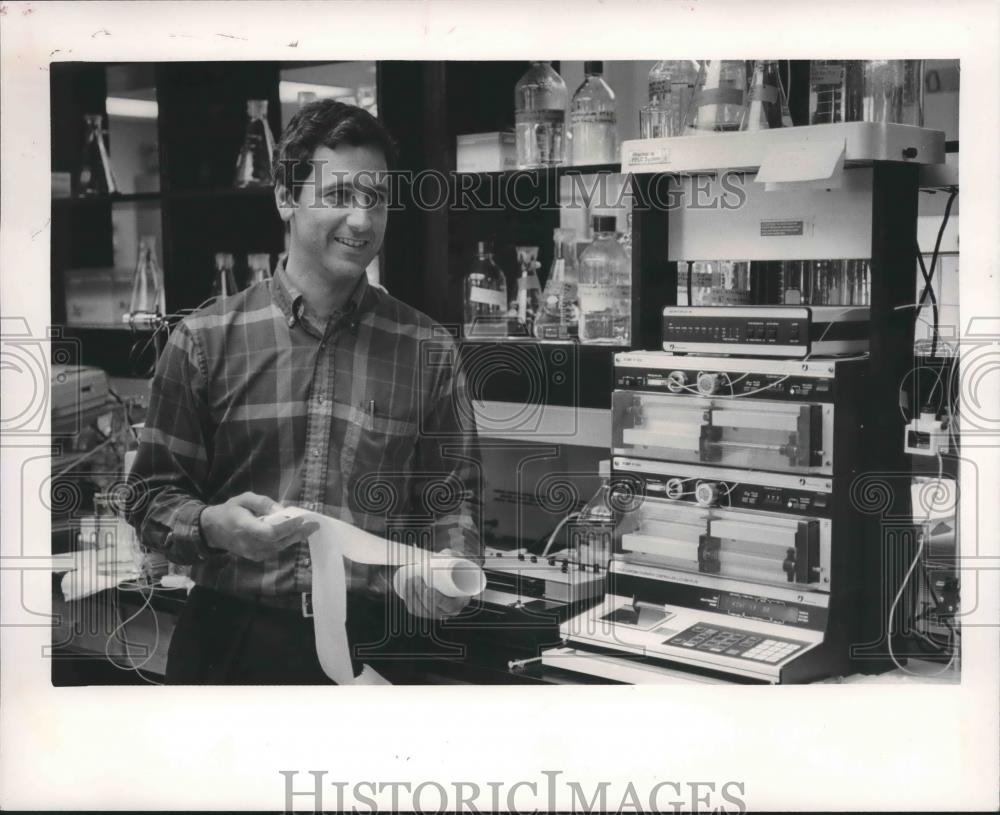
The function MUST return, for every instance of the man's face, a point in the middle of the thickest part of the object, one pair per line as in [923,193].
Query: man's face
[338,222]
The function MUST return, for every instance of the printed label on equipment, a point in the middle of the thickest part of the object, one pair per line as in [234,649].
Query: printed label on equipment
[772,229]
[644,157]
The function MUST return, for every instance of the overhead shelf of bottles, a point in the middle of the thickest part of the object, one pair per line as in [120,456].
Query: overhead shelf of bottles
[861,143]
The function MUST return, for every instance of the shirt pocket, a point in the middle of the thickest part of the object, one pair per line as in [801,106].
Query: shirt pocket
[380,466]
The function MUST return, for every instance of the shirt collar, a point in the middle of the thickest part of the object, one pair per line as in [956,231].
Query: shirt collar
[290,301]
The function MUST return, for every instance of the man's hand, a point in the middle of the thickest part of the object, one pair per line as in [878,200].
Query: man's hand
[235,526]
[423,600]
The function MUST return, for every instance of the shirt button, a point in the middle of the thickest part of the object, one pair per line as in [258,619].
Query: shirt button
[315,452]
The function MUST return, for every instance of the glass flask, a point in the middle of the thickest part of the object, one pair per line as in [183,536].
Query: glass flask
[540,98]
[253,165]
[529,290]
[147,281]
[671,84]
[766,105]
[718,97]
[224,282]
[605,288]
[593,129]
[258,268]
[558,316]
[95,176]
[835,91]
[485,312]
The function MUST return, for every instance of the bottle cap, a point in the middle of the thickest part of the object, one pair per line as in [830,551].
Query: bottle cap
[593,67]
[484,247]
[605,223]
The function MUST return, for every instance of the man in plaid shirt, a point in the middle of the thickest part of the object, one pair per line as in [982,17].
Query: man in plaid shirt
[314,389]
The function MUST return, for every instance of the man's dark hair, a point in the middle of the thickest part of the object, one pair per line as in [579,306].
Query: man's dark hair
[325,123]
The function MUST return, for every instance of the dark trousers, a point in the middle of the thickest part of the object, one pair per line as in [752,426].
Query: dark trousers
[223,640]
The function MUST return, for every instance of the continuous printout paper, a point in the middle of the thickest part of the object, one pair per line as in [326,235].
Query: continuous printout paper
[336,540]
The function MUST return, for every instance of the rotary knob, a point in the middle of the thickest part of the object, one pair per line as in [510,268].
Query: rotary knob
[708,384]
[706,493]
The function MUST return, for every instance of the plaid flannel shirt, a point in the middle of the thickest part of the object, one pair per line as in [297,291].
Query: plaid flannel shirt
[365,418]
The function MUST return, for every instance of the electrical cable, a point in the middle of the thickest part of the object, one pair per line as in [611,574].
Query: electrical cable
[928,291]
[902,587]
[121,626]
[557,530]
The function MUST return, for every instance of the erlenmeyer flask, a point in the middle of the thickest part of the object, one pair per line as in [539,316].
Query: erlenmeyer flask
[224,283]
[95,175]
[718,97]
[147,283]
[253,165]
[259,266]
[558,316]
[766,104]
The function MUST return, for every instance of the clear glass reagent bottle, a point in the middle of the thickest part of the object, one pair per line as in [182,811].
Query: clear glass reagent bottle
[593,135]
[540,117]
[605,288]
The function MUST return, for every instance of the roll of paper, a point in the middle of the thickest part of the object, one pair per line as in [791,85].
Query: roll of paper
[335,540]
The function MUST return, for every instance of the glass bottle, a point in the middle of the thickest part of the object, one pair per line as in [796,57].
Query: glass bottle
[605,288]
[147,282]
[253,165]
[558,317]
[540,117]
[593,130]
[95,176]
[224,283]
[718,96]
[766,105]
[259,267]
[529,290]
[485,296]
[671,84]
[835,91]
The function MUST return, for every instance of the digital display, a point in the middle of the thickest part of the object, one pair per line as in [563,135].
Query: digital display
[761,609]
